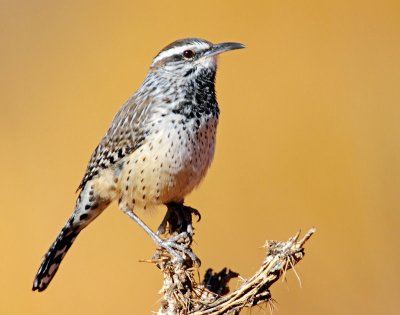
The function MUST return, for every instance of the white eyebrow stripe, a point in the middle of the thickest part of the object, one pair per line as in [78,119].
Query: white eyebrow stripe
[179,50]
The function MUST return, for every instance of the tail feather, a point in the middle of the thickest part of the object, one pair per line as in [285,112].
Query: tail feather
[54,256]
[88,207]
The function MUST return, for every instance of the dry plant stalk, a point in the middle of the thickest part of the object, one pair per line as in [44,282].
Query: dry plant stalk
[182,294]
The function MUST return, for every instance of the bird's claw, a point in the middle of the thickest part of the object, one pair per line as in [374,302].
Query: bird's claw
[178,250]
[179,219]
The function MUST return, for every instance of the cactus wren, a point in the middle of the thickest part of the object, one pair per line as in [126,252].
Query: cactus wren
[157,149]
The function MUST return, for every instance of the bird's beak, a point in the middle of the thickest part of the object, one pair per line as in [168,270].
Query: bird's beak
[216,49]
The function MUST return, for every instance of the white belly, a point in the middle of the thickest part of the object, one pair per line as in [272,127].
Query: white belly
[169,165]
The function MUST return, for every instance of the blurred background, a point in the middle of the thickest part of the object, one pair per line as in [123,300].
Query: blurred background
[309,136]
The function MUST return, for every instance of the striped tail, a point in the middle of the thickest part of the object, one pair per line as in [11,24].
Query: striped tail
[55,255]
[88,207]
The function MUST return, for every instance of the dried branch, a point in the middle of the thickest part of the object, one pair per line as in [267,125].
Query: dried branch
[182,294]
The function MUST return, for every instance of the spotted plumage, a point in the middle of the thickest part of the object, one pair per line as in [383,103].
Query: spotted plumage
[158,147]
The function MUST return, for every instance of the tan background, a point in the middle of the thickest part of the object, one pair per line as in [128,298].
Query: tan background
[309,136]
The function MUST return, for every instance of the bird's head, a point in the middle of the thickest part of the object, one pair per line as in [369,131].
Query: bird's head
[190,56]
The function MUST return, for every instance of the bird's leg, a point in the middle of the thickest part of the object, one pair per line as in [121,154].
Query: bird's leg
[169,244]
[179,219]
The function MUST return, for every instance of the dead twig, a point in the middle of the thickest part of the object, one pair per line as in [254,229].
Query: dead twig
[182,294]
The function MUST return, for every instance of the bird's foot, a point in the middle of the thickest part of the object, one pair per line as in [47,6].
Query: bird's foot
[177,246]
[178,219]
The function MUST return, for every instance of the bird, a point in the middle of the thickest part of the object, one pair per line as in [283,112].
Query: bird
[157,150]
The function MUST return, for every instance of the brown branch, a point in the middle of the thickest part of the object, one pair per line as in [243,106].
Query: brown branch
[182,294]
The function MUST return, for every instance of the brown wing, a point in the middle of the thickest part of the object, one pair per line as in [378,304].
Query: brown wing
[123,137]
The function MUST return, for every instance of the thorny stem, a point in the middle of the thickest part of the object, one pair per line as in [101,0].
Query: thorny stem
[182,294]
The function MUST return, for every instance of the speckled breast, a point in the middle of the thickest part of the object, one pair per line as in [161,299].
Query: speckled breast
[171,163]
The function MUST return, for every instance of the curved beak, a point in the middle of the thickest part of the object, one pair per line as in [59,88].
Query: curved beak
[216,49]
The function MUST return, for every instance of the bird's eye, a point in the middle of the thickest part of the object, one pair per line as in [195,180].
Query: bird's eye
[188,54]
